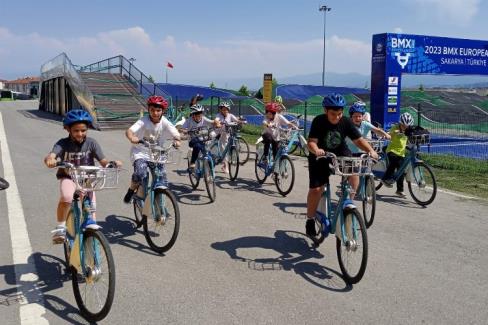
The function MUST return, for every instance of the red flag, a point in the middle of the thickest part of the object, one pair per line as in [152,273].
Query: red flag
[169,65]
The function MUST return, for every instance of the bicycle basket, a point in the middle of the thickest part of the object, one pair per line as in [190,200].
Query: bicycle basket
[348,166]
[377,145]
[203,134]
[93,178]
[418,135]
[158,155]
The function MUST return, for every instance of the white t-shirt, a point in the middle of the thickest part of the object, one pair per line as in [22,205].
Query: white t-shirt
[190,124]
[144,128]
[230,118]
[278,122]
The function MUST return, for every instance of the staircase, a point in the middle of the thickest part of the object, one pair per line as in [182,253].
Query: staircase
[117,102]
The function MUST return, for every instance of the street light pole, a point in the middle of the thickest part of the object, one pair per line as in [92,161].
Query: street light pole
[324,9]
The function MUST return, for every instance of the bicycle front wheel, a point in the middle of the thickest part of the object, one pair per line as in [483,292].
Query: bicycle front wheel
[193,175]
[233,164]
[94,290]
[161,229]
[243,149]
[285,175]
[209,179]
[369,200]
[352,247]
[422,186]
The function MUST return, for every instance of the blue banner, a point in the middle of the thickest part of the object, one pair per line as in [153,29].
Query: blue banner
[396,54]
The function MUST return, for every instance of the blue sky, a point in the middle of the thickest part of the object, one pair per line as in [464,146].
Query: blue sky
[215,40]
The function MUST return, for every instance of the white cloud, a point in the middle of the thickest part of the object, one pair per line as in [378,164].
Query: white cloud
[192,60]
[398,30]
[460,12]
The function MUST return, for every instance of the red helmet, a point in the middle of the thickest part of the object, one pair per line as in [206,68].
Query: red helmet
[272,107]
[157,101]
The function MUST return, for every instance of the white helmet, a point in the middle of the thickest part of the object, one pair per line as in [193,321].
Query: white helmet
[406,119]
[224,104]
[195,109]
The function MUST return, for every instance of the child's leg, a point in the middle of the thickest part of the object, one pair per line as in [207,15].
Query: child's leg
[274,144]
[140,171]
[67,189]
[392,166]
[267,139]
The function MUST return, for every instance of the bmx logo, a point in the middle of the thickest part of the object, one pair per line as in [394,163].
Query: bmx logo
[402,43]
[402,59]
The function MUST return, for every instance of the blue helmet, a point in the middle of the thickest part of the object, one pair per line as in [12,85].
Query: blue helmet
[77,116]
[334,101]
[357,107]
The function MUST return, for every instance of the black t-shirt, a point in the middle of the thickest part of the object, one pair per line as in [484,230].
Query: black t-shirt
[331,137]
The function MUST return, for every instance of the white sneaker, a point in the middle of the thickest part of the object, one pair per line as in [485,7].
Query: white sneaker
[401,194]
[59,235]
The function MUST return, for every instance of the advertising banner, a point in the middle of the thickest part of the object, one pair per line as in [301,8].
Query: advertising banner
[396,54]
[268,88]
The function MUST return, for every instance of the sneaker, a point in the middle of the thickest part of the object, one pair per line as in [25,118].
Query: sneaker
[401,194]
[310,228]
[59,234]
[349,204]
[128,196]
[225,170]
[387,182]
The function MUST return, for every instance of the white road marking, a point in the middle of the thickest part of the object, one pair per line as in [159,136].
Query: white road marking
[32,307]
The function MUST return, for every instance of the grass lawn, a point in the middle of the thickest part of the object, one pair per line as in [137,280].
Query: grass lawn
[458,174]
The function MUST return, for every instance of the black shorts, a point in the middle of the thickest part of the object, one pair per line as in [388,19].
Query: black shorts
[319,170]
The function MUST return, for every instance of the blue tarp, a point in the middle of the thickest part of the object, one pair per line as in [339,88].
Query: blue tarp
[302,92]
[186,92]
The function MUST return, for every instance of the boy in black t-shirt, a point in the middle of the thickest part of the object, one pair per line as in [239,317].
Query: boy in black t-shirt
[327,134]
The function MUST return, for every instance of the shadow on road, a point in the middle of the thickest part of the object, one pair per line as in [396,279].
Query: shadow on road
[246,184]
[294,252]
[393,199]
[188,196]
[298,210]
[118,228]
[41,115]
[31,289]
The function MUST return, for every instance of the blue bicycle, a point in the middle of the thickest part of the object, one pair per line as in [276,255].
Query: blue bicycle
[204,165]
[87,252]
[155,205]
[296,140]
[230,153]
[420,178]
[345,221]
[280,167]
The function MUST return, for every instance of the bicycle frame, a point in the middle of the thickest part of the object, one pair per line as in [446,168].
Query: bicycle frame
[221,154]
[296,138]
[406,166]
[80,219]
[142,193]
[282,151]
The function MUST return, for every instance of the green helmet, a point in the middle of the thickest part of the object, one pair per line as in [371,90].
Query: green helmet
[278,99]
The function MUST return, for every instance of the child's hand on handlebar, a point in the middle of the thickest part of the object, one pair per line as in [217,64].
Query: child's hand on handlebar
[320,152]
[134,140]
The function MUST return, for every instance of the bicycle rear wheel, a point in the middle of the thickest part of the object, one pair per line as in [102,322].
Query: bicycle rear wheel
[94,290]
[352,247]
[161,229]
[3,184]
[243,149]
[209,179]
[233,164]
[193,175]
[369,200]
[285,175]
[422,186]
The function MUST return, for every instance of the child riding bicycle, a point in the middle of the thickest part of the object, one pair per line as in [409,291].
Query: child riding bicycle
[327,134]
[154,127]
[197,120]
[396,151]
[272,123]
[225,117]
[79,150]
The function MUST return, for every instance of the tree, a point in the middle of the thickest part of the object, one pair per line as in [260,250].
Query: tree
[151,79]
[366,85]
[274,82]
[421,87]
[243,91]
[212,85]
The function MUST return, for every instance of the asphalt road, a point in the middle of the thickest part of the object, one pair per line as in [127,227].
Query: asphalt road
[242,259]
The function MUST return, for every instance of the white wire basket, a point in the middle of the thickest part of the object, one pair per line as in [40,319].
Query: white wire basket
[352,166]
[377,145]
[159,155]
[203,134]
[93,178]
